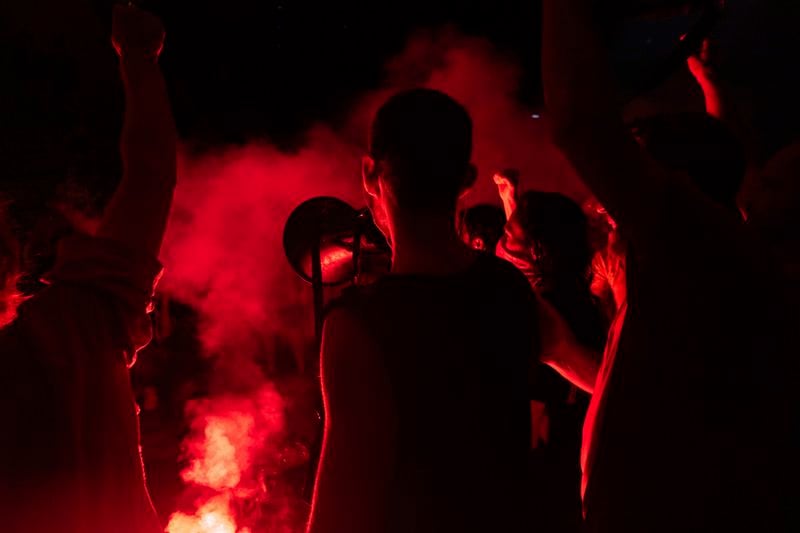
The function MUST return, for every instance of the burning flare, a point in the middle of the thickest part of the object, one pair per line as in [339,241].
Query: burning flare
[231,448]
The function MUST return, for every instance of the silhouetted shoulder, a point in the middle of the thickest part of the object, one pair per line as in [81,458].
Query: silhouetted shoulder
[504,272]
[489,278]
[457,352]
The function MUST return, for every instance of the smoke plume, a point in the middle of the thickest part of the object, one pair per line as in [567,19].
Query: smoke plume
[225,258]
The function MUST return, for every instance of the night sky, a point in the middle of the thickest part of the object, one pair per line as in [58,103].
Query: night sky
[247,67]
[237,70]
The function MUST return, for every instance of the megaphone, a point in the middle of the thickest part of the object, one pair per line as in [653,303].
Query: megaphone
[325,240]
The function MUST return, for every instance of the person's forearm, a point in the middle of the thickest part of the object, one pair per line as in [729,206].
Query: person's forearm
[562,351]
[576,364]
[137,213]
[509,205]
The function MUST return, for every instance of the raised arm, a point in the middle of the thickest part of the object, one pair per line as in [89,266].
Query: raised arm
[586,116]
[137,213]
[507,189]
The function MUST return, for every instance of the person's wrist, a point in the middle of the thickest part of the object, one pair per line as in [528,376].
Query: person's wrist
[132,64]
[136,57]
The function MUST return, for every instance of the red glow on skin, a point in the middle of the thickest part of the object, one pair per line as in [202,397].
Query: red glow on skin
[214,516]
[705,78]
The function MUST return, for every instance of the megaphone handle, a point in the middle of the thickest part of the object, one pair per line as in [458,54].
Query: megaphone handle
[319,293]
[357,233]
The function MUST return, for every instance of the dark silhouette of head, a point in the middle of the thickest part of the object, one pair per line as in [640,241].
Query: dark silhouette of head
[556,233]
[482,226]
[700,146]
[420,150]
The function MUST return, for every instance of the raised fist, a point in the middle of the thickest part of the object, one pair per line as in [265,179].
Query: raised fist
[135,32]
[505,186]
[507,182]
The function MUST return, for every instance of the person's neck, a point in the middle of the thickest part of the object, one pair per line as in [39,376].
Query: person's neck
[425,243]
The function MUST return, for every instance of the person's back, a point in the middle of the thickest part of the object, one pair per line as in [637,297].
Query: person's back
[426,373]
[687,418]
[681,384]
[697,338]
[459,393]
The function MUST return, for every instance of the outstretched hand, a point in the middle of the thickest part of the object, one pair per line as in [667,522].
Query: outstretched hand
[507,189]
[135,32]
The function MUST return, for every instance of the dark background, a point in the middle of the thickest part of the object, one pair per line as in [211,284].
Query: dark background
[245,69]
[241,70]
[237,71]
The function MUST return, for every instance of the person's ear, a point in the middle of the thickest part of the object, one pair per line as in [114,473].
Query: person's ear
[369,176]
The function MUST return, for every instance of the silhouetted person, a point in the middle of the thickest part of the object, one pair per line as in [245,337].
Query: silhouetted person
[548,232]
[482,227]
[549,244]
[686,425]
[427,425]
[69,449]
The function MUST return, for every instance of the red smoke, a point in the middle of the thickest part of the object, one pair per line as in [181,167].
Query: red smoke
[224,246]
[232,431]
[506,133]
[225,258]
[238,450]
[224,243]
[213,516]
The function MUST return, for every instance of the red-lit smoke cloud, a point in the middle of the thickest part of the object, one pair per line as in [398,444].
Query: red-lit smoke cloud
[224,256]
[224,244]
[237,452]
[223,249]
[487,83]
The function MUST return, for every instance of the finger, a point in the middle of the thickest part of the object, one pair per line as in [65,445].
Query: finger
[499,179]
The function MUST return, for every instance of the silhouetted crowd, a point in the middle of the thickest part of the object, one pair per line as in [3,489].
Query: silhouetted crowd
[625,365]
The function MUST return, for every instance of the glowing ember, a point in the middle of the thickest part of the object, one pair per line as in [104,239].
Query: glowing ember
[213,517]
[234,443]
[222,454]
